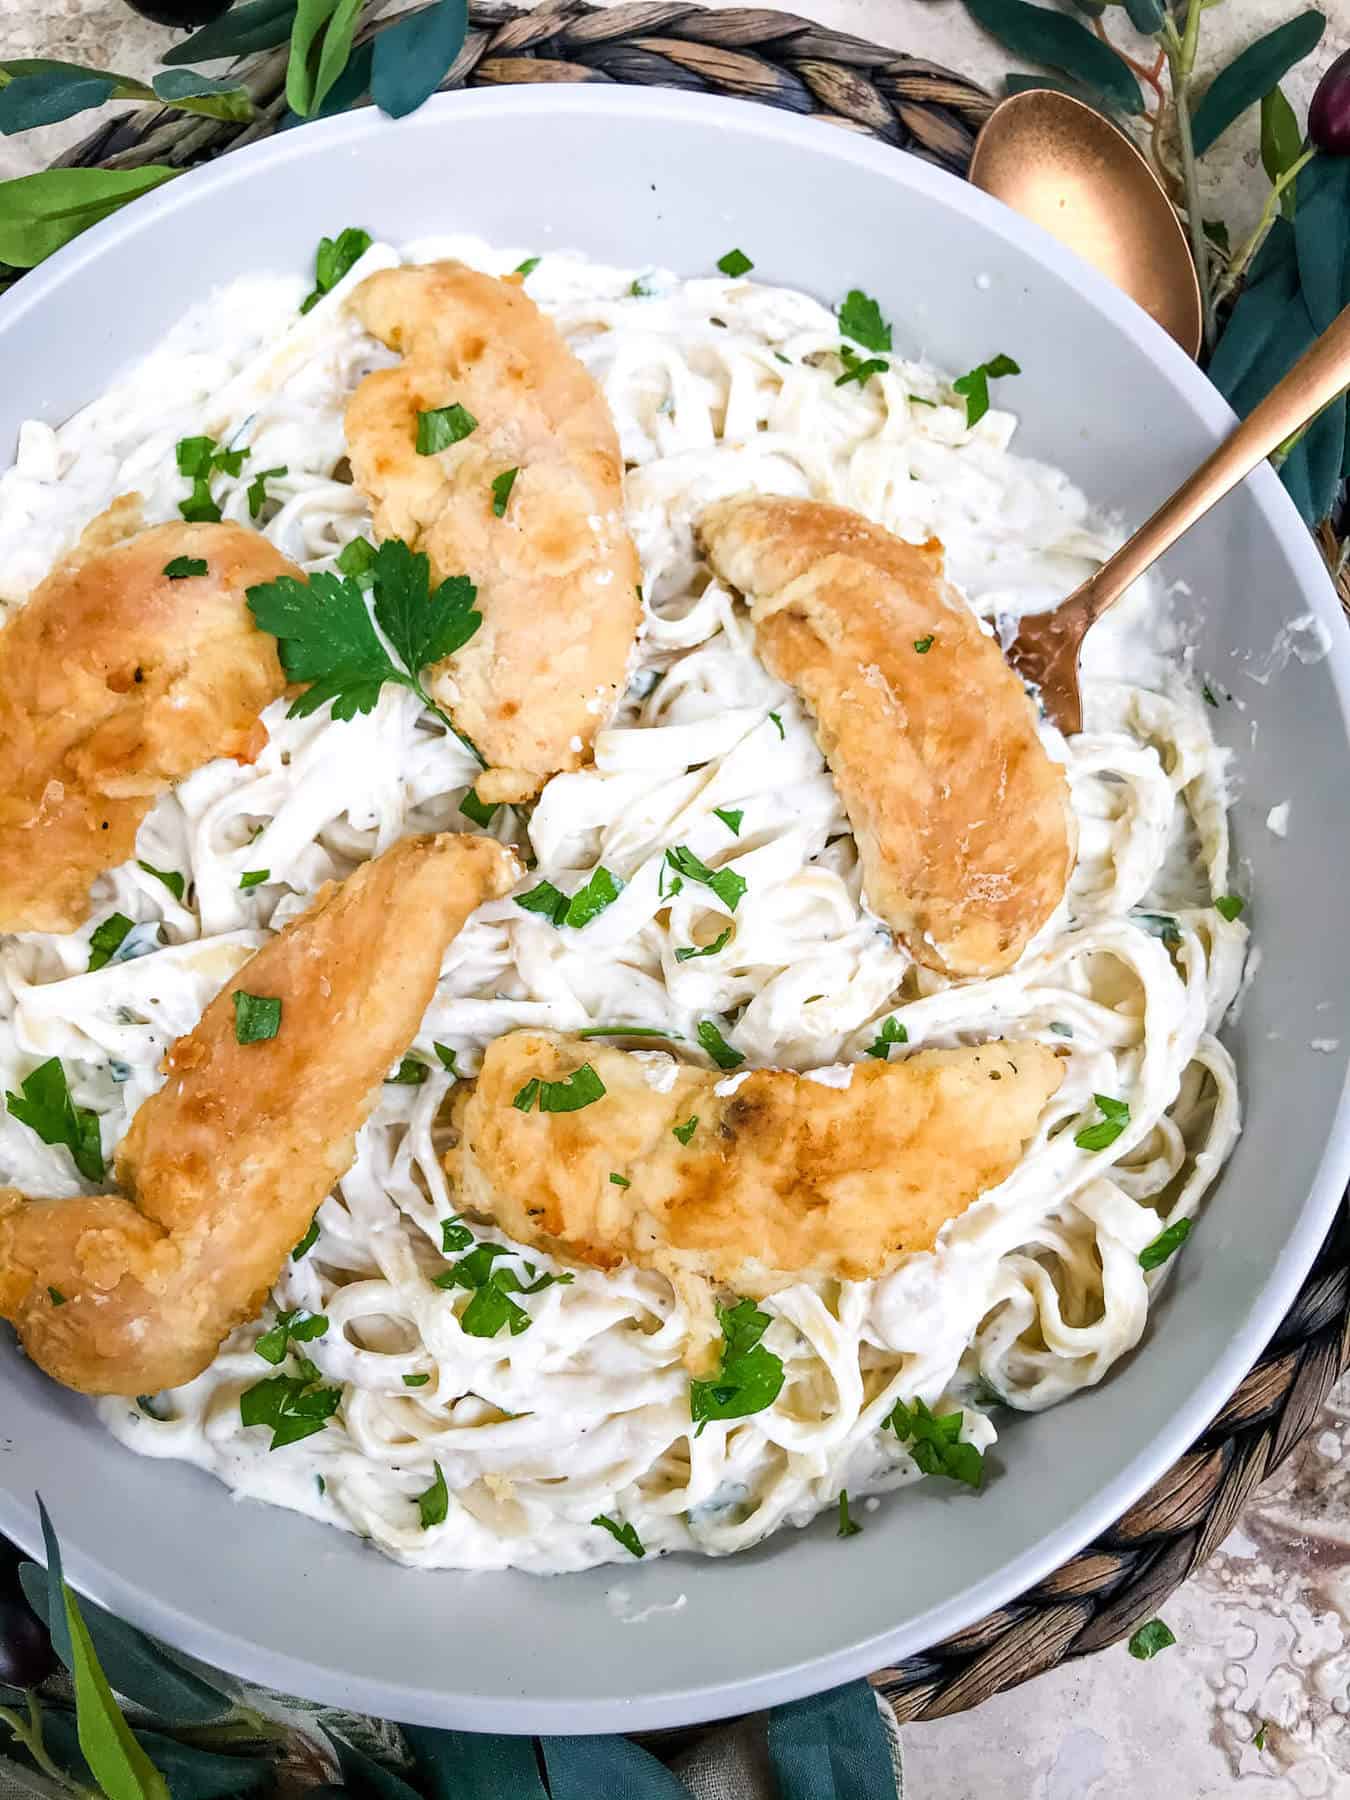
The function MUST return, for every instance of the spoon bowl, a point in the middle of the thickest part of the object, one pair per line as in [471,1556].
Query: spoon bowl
[1066,168]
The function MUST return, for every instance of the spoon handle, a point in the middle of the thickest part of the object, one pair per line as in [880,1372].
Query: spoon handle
[1315,380]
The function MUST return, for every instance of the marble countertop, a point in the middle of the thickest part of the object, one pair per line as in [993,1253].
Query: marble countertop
[1263,1632]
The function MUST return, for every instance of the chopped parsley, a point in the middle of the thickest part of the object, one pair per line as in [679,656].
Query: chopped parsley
[935,1443]
[492,1306]
[434,1504]
[595,1031]
[725,883]
[257,1017]
[546,900]
[107,938]
[1208,695]
[892,1032]
[918,400]
[56,1297]
[623,1534]
[291,1405]
[1166,1244]
[1228,906]
[731,817]
[325,636]
[637,291]
[43,1103]
[447,1056]
[855,369]
[687,951]
[455,1235]
[501,490]
[273,1345]
[170,877]
[847,1527]
[257,489]
[356,556]
[581,1088]
[443,426]
[973,387]
[308,1241]
[602,890]
[779,723]
[860,319]
[334,258]
[1060,1029]
[525,1097]
[528,267]
[717,1046]
[1115,1117]
[621,1181]
[923,645]
[409,1073]
[252,878]
[686,1131]
[1159,925]
[198,458]
[415,1381]
[1150,1639]
[183,567]
[734,263]
[1259,1736]
[749,1377]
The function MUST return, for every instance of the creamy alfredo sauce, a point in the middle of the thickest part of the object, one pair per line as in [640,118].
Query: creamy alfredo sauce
[716,386]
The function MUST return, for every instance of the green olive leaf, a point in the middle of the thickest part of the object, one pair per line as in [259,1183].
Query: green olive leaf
[1061,43]
[257,25]
[413,56]
[321,42]
[36,92]
[1253,74]
[211,96]
[39,213]
[1281,144]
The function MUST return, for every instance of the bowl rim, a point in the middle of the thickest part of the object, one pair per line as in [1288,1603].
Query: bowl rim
[694,1703]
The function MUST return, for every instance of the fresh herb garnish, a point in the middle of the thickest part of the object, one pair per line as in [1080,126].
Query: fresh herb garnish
[621,1181]
[546,900]
[602,890]
[1115,1117]
[257,489]
[688,951]
[291,1405]
[308,1241]
[974,386]
[1154,1255]
[356,556]
[892,1032]
[492,1306]
[855,369]
[624,1534]
[749,1377]
[415,1381]
[923,645]
[257,1017]
[1228,906]
[198,458]
[455,1235]
[581,1088]
[1207,692]
[725,883]
[731,817]
[45,1106]
[1150,1639]
[409,1073]
[326,638]
[717,1046]
[597,1031]
[935,1442]
[56,1297]
[779,723]
[252,878]
[734,263]
[847,1527]
[334,258]
[443,426]
[1259,1736]
[528,267]
[1159,925]
[180,568]
[525,1097]
[434,1504]
[107,938]
[686,1131]
[447,1056]
[170,877]
[272,1346]
[860,318]
[501,490]
[1060,1029]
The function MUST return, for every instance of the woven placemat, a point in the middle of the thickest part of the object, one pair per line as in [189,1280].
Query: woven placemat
[780,59]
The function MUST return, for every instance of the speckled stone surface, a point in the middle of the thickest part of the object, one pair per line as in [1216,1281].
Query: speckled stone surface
[1263,1633]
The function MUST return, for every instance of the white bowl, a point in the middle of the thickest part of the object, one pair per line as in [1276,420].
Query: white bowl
[633,176]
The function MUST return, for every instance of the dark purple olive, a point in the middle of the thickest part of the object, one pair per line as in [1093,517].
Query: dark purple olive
[1329,114]
[182,13]
[26,1655]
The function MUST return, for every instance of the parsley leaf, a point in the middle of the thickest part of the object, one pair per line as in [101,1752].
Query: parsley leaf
[847,1527]
[409,1073]
[860,318]
[525,1097]
[623,1534]
[686,1131]
[687,951]
[181,567]
[974,386]
[455,1235]
[356,556]
[252,878]
[193,456]
[528,267]
[335,258]
[717,1046]
[602,890]
[1159,925]
[434,1504]
[257,489]
[892,1032]
[291,1405]
[725,883]
[415,1381]
[1115,1117]
[749,1377]
[779,723]
[170,877]
[550,902]
[447,1057]
[581,1088]
[45,1106]
[272,1346]
[308,1241]
[56,1297]
[107,938]
[1228,906]
[501,490]
[1207,693]
[257,1017]
[442,427]
[1154,1255]
[731,817]
[492,1305]
[935,1443]
[197,459]
[855,369]
[1150,1639]
[621,1181]
[734,263]
[924,644]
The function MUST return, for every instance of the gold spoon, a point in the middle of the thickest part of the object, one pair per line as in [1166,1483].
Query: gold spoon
[1046,648]
[1067,169]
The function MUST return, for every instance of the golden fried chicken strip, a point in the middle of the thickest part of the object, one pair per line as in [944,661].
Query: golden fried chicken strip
[223,1168]
[962,820]
[781,1180]
[115,681]
[556,572]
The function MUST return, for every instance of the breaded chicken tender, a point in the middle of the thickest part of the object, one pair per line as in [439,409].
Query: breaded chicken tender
[781,1180]
[962,820]
[556,571]
[116,680]
[223,1168]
